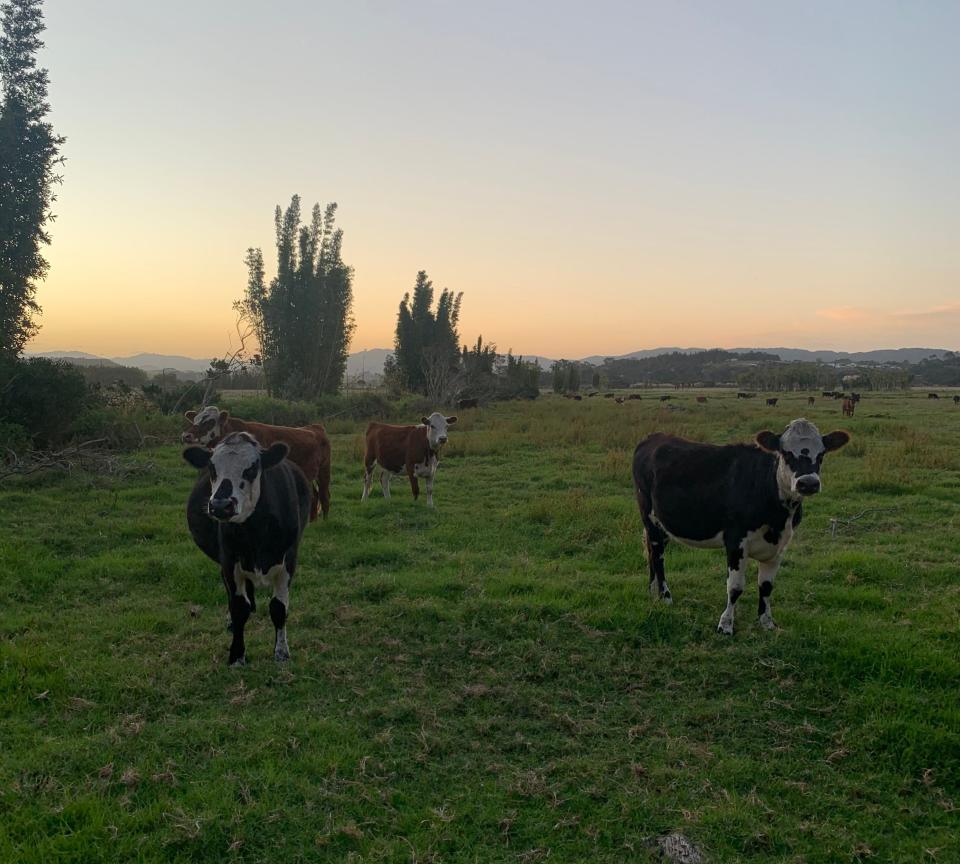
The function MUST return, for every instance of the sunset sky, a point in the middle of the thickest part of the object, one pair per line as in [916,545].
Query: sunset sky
[595,177]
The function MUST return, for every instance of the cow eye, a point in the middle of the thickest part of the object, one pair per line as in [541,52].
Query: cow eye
[250,473]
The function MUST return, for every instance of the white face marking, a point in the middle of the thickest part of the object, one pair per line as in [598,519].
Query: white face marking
[436,425]
[801,452]
[205,428]
[235,474]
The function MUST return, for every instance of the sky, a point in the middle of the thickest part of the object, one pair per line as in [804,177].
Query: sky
[596,178]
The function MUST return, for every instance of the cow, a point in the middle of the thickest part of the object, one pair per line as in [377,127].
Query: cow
[619,400]
[309,446]
[745,499]
[577,398]
[742,395]
[665,398]
[855,397]
[810,400]
[608,395]
[772,402]
[413,449]
[701,400]
[634,396]
[847,407]
[827,394]
[467,403]
[956,400]
[933,395]
[247,512]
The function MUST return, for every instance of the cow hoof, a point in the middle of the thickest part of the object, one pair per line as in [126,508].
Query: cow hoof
[767,622]
[666,598]
[281,656]
[240,661]
[725,628]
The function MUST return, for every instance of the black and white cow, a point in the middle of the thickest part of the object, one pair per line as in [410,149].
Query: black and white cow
[742,498]
[247,512]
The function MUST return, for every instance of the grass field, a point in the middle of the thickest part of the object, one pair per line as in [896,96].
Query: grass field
[491,681]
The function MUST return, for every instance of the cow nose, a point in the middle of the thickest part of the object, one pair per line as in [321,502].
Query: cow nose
[186,438]
[442,439]
[222,508]
[808,485]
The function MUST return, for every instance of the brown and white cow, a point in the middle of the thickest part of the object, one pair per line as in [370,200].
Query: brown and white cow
[414,450]
[847,407]
[309,446]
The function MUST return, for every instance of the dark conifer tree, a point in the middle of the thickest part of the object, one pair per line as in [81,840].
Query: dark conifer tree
[303,320]
[29,155]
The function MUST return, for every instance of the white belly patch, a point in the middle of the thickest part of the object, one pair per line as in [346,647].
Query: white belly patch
[259,578]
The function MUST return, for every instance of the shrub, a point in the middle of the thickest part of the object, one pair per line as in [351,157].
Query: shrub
[44,397]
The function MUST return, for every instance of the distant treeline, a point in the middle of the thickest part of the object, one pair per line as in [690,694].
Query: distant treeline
[753,369]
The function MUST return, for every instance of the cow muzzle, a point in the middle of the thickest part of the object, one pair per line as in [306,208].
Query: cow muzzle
[222,509]
[808,484]
[187,438]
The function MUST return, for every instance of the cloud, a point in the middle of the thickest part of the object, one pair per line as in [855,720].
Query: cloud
[844,313]
[944,313]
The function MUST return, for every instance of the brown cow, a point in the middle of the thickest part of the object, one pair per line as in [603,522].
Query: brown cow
[413,449]
[811,400]
[309,446]
[702,400]
[848,407]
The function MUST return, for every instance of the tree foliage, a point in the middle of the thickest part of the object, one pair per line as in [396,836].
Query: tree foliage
[29,155]
[303,320]
[426,347]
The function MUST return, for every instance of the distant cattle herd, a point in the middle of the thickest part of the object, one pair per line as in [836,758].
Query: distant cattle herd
[260,485]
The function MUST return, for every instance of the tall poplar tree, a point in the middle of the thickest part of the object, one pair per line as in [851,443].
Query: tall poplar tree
[29,155]
[426,347]
[303,319]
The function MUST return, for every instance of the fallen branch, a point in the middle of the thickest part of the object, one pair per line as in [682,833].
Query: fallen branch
[86,456]
[836,521]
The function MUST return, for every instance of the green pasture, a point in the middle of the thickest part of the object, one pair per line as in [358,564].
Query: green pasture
[491,681]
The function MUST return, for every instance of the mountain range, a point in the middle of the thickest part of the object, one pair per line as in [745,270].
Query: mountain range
[369,362]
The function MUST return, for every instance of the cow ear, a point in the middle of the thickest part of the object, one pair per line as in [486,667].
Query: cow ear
[198,457]
[768,441]
[425,421]
[451,420]
[275,455]
[224,416]
[190,415]
[835,440]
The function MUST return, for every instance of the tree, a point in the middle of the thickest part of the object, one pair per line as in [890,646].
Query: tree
[29,154]
[303,319]
[426,349]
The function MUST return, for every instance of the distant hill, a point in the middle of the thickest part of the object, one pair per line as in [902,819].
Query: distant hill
[369,362]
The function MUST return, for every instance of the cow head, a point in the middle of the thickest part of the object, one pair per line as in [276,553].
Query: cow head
[800,449]
[236,466]
[437,425]
[206,426]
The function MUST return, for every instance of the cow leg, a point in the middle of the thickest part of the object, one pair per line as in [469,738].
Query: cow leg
[323,488]
[367,480]
[279,604]
[428,483]
[385,483]
[765,575]
[414,483]
[656,540]
[736,570]
[239,613]
[251,595]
